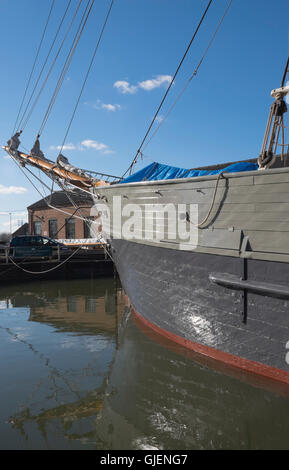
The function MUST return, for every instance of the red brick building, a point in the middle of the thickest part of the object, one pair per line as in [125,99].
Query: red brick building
[64,220]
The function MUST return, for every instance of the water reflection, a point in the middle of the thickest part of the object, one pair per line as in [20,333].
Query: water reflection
[58,341]
[80,306]
[78,373]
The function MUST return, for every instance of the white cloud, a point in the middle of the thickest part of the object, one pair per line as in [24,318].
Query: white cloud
[108,107]
[111,107]
[86,144]
[155,82]
[126,88]
[12,189]
[95,145]
[65,147]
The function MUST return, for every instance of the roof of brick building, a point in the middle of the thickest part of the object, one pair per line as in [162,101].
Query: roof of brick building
[60,199]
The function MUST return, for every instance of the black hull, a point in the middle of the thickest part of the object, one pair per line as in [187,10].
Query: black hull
[230,309]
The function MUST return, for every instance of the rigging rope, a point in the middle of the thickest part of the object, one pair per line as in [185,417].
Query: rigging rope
[87,74]
[286,70]
[23,123]
[191,77]
[66,65]
[168,89]
[57,88]
[77,208]
[33,67]
[44,197]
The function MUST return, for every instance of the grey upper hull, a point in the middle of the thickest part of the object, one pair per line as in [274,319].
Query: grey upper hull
[249,217]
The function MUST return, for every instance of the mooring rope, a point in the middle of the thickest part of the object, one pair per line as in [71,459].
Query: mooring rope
[47,270]
[220,175]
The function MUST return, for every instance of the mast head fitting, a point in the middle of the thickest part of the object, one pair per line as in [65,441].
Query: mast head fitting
[280,93]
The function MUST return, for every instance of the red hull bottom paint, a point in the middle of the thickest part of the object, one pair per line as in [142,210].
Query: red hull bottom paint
[255,373]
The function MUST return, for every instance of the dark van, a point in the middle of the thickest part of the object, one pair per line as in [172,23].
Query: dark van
[34,245]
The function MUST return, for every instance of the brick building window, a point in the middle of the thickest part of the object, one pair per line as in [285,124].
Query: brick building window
[52,227]
[72,303]
[90,304]
[70,228]
[37,228]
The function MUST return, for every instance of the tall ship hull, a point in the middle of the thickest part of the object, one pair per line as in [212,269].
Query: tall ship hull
[226,297]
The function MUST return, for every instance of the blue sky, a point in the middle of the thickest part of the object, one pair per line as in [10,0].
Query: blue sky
[221,116]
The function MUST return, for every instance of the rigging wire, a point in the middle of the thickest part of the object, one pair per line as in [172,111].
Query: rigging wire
[49,205]
[286,70]
[43,196]
[77,209]
[53,63]
[168,89]
[58,52]
[47,198]
[66,65]
[33,67]
[87,74]
[41,71]
[192,76]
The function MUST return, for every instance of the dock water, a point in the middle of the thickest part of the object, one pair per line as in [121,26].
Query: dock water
[78,374]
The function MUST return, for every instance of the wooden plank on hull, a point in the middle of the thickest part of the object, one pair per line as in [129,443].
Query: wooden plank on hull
[234,195]
[251,224]
[272,178]
[221,238]
[268,241]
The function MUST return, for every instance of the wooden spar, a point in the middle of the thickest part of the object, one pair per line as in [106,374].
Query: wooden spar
[52,168]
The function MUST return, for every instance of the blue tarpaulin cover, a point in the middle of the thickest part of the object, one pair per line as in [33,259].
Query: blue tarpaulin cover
[158,171]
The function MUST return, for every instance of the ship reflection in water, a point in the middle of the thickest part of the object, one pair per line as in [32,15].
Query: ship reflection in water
[77,372]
